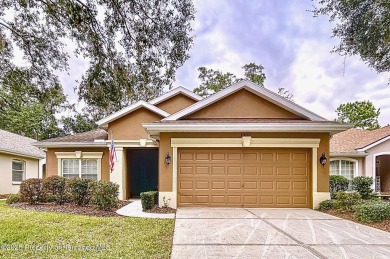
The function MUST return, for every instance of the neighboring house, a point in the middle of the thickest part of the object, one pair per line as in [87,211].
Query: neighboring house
[243,146]
[358,152]
[19,160]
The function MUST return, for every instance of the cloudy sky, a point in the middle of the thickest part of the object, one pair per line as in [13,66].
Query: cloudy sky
[294,48]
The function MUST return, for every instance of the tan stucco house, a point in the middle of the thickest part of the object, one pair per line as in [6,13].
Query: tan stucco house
[358,152]
[19,160]
[244,146]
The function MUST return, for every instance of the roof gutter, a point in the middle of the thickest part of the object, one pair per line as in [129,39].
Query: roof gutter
[20,154]
[155,128]
[68,144]
[348,154]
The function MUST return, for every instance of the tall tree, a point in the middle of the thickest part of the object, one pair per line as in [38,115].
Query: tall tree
[362,114]
[213,81]
[255,73]
[77,123]
[28,105]
[133,47]
[363,27]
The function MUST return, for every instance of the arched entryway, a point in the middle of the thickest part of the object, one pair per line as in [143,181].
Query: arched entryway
[382,172]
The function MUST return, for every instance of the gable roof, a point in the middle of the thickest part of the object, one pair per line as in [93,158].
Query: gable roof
[253,88]
[104,122]
[174,92]
[19,145]
[90,138]
[358,140]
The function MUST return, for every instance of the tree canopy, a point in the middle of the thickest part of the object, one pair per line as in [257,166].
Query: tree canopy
[133,49]
[213,81]
[363,27]
[362,114]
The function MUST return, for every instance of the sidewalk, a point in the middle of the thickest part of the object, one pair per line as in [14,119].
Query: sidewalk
[134,209]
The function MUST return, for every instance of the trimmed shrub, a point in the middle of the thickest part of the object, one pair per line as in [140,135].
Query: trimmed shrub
[337,183]
[362,184]
[55,189]
[346,200]
[79,190]
[31,190]
[373,212]
[148,199]
[326,205]
[104,195]
[13,198]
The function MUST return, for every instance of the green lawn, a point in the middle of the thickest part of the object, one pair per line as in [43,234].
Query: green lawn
[32,234]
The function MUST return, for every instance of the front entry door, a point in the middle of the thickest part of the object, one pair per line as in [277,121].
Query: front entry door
[142,165]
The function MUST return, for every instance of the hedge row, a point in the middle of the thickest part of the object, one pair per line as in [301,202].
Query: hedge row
[102,195]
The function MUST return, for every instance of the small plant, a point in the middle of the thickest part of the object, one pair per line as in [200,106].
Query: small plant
[104,195]
[166,202]
[79,190]
[31,190]
[55,189]
[373,212]
[337,183]
[13,198]
[346,200]
[148,199]
[326,205]
[362,184]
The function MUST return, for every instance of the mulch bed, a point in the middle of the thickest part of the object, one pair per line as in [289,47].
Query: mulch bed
[157,209]
[348,215]
[71,209]
[4,196]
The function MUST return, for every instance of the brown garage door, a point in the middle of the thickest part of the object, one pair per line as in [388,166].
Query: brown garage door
[244,177]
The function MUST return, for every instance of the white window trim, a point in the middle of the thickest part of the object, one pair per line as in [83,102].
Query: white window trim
[24,171]
[80,155]
[355,165]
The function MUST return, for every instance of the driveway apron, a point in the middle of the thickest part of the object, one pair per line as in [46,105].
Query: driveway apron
[273,233]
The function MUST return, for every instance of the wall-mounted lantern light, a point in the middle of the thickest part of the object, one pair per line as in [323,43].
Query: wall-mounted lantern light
[168,159]
[323,159]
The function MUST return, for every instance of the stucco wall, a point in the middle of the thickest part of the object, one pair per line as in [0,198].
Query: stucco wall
[130,126]
[165,171]
[243,104]
[52,161]
[176,103]
[6,185]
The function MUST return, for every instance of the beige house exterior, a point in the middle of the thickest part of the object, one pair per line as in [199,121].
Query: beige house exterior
[19,160]
[244,146]
[360,152]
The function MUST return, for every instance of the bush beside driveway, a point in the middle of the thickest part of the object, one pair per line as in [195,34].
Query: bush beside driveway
[31,234]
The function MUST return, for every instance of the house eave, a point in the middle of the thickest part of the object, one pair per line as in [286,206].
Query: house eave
[155,128]
[69,144]
[348,154]
[373,144]
[8,152]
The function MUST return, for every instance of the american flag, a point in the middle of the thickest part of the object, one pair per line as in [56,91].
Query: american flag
[112,154]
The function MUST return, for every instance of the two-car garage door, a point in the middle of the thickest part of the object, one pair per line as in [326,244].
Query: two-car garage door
[244,177]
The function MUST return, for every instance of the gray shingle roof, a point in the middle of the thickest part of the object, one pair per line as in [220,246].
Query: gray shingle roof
[13,143]
[89,136]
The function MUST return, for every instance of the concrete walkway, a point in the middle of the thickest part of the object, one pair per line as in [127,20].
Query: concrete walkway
[134,209]
[273,233]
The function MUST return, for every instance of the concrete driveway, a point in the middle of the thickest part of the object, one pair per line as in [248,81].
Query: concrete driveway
[273,233]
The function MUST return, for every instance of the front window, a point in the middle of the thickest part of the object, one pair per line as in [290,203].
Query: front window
[18,171]
[345,168]
[80,168]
